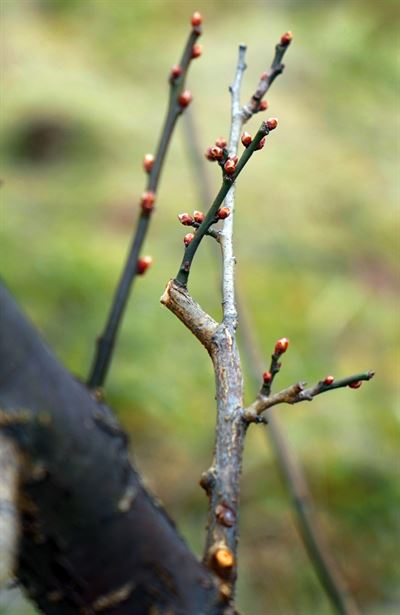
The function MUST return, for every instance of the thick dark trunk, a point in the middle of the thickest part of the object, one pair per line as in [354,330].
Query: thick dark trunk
[92,538]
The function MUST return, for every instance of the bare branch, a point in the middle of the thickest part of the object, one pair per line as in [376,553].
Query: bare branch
[297,393]
[178,101]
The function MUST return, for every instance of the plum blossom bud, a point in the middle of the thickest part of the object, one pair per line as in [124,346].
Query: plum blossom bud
[272,123]
[246,139]
[286,38]
[230,167]
[208,154]
[267,377]
[261,144]
[197,19]
[148,162]
[185,98]
[143,264]
[197,50]
[176,71]
[263,106]
[223,213]
[281,346]
[355,385]
[328,380]
[198,216]
[264,76]
[221,142]
[188,238]
[147,201]
[185,219]
[217,152]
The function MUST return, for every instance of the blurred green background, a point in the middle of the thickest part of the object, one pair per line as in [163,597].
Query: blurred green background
[84,95]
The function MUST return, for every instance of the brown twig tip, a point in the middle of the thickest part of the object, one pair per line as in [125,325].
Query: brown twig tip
[147,201]
[148,162]
[196,19]
[188,239]
[246,139]
[286,39]
[185,98]
[197,50]
[143,264]
[281,346]
[185,219]
[176,71]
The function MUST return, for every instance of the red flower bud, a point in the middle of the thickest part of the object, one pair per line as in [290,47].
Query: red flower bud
[355,385]
[188,238]
[261,144]
[230,167]
[185,219]
[197,19]
[148,162]
[196,51]
[286,39]
[223,213]
[263,106]
[143,264]
[176,71]
[208,154]
[185,98]
[267,377]
[328,380]
[272,123]
[234,158]
[221,142]
[246,139]
[281,345]
[198,216]
[264,76]
[147,201]
[216,152]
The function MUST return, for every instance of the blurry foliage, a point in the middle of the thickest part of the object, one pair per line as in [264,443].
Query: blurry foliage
[314,241]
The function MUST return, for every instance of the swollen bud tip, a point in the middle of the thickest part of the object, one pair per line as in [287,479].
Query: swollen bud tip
[185,219]
[267,377]
[328,380]
[198,216]
[185,98]
[223,213]
[272,123]
[263,106]
[143,264]
[176,71]
[355,385]
[148,162]
[197,50]
[188,238]
[147,201]
[246,139]
[286,38]
[197,19]
[281,345]
[230,167]
[221,142]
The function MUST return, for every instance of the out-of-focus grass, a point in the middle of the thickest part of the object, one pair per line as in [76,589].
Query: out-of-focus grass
[314,242]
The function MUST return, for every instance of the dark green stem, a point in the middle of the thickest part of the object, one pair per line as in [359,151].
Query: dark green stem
[106,341]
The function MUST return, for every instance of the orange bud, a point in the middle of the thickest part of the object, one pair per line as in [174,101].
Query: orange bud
[263,106]
[198,216]
[281,345]
[230,167]
[148,162]
[223,213]
[185,98]
[188,238]
[355,385]
[246,139]
[328,380]
[272,123]
[143,264]
[185,219]
[221,142]
[197,51]
[147,201]
[261,144]
[267,377]
[197,19]
[286,39]
[224,558]
[176,71]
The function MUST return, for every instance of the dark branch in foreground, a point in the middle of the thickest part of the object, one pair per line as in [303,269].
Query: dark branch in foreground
[178,100]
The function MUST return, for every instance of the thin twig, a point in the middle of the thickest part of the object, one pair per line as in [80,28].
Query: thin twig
[106,341]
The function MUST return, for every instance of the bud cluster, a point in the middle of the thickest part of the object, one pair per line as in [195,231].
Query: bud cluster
[219,153]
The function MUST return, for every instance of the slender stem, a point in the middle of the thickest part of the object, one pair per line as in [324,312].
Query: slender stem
[106,341]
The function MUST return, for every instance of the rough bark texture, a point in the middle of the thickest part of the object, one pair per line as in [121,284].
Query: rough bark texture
[92,538]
